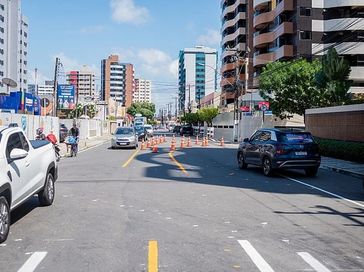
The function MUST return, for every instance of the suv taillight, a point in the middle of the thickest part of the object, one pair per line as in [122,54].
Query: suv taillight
[282,149]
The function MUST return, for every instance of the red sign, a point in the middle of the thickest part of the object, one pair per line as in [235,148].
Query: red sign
[245,108]
[263,106]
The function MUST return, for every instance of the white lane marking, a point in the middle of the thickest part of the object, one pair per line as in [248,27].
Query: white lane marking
[31,264]
[315,264]
[258,260]
[324,191]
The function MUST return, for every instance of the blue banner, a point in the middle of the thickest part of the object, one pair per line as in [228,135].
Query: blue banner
[66,97]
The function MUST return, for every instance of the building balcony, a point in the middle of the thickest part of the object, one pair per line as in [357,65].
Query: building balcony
[258,3]
[261,20]
[229,9]
[230,23]
[227,67]
[285,51]
[269,37]
[233,36]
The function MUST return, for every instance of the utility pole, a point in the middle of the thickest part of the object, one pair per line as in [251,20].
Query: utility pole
[55,98]
[189,98]
[175,105]
[36,81]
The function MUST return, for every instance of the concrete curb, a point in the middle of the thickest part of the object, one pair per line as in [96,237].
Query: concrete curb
[343,171]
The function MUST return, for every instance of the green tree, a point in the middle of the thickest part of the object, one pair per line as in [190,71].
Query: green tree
[207,115]
[291,87]
[89,110]
[191,118]
[144,108]
[333,79]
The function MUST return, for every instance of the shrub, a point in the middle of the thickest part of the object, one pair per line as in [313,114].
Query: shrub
[350,151]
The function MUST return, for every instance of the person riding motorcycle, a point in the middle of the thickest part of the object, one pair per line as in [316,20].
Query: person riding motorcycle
[74,134]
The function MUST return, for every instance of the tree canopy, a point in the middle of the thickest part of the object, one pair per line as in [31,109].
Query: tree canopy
[202,115]
[290,87]
[144,108]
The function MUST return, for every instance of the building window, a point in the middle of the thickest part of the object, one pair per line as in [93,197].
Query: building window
[305,11]
[1,73]
[1,18]
[305,35]
[2,7]
[1,41]
[1,29]
[1,62]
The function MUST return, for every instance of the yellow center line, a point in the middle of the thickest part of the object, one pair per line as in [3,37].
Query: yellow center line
[180,166]
[153,256]
[131,158]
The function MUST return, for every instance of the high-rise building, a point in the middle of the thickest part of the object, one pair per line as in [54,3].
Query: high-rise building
[279,30]
[13,45]
[235,28]
[84,83]
[117,81]
[41,89]
[293,29]
[143,90]
[197,75]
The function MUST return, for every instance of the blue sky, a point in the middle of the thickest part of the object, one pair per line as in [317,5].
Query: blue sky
[147,33]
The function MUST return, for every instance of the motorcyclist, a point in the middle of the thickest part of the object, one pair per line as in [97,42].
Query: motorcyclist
[74,132]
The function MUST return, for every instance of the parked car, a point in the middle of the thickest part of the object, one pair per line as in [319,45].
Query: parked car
[124,137]
[149,130]
[280,149]
[186,130]
[26,168]
[63,132]
[176,129]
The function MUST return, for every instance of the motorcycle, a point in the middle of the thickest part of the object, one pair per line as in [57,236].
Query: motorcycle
[52,138]
[40,134]
[73,142]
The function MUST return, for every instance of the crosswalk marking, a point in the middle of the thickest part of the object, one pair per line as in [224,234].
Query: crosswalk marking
[315,264]
[255,256]
[31,264]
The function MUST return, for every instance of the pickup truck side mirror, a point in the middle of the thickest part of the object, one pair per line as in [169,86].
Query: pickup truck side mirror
[18,154]
[246,140]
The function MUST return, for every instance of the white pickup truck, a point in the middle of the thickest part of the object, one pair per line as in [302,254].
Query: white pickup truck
[26,168]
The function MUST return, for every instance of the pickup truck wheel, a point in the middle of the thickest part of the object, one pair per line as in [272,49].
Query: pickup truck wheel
[4,219]
[46,196]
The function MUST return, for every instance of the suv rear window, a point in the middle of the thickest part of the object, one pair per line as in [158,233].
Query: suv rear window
[295,138]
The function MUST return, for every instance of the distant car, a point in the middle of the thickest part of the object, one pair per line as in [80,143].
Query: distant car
[176,129]
[141,133]
[186,130]
[63,132]
[149,130]
[280,149]
[124,137]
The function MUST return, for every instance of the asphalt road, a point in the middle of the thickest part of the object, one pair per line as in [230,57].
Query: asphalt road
[127,210]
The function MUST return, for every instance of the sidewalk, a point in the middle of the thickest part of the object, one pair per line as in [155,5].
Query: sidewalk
[345,167]
[87,143]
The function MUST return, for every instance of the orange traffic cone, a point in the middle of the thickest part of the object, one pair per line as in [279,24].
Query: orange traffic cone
[222,143]
[182,143]
[142,147]
[148,144]
[196,141]
[207,141]
[155,149]
[203,143]
[173,146]
[189,142]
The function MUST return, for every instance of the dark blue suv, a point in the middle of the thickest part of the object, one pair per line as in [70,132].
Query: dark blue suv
[280,149]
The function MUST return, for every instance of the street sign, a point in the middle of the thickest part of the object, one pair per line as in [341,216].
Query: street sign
[263,106]
[245,108]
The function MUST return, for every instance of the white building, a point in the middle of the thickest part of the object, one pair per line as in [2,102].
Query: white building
[143,90]
[84,82]
[41,89]
[13,45]
[197,74]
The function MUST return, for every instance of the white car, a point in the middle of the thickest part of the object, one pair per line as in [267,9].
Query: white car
[149,130]
[124,137]
[26,168]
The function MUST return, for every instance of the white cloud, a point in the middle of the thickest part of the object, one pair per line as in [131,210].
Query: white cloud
[126,11]
[173,68]
[41,78]
[92,29]
[70,64]
[156,62]
[212,37]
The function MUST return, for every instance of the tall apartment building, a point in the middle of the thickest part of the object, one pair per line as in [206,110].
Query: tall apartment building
[13,45]
[279,30]
[291,29]
[84,83]
[117,81]
[143,90]
[197,75]
[235,21]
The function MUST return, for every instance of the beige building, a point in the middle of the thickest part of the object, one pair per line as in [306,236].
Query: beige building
[143,90]
[84,82]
